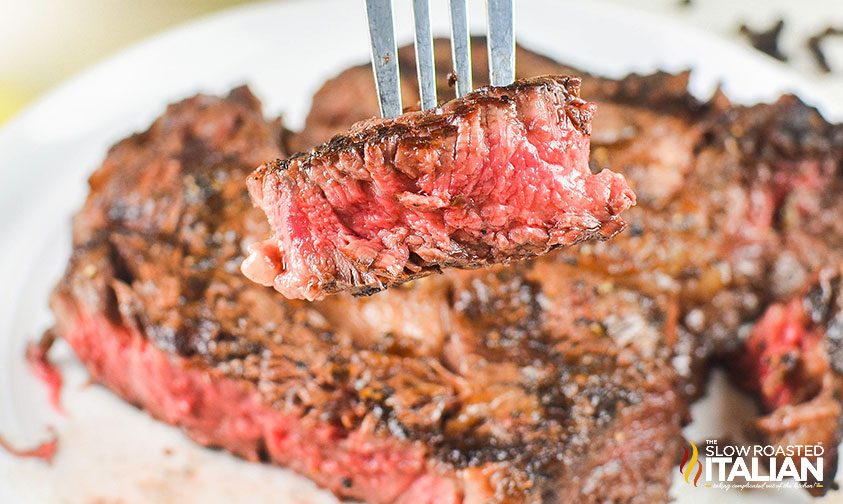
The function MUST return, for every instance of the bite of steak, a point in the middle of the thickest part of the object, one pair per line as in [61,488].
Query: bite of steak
[499,175]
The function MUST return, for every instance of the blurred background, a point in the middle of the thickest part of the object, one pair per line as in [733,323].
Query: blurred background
[43,42]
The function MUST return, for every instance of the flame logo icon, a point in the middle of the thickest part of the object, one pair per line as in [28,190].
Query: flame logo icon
[686,468]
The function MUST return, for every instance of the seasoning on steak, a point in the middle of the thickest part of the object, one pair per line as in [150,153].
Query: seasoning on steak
[499,175]
[533,383]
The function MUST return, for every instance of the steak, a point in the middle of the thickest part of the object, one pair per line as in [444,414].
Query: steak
[499,175]
[526,384]
[559,378]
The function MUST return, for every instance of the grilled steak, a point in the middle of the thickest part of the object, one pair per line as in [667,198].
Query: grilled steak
[561,378]
[499,175]
[528,384]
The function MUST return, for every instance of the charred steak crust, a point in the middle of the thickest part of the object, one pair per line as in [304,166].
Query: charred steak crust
[499,175]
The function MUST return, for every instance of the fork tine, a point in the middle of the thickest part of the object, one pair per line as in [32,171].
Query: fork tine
[501,42]
[384,56]
[461,46]
[424,54]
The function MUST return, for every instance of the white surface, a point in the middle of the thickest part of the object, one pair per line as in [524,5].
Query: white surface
[803,19]
[109,451]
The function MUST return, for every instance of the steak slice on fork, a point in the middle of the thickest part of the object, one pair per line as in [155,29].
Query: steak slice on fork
[499,175]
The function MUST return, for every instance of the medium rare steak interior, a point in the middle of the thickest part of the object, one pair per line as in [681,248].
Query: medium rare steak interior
[498,175]
[556,379]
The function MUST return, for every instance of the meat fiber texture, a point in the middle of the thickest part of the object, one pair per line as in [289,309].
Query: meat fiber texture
[499,175]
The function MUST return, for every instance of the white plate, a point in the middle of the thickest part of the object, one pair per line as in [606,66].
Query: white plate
[110,451]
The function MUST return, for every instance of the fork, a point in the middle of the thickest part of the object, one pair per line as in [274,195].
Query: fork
[501,46]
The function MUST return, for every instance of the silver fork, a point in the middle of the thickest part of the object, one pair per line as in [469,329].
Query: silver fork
[501,44]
